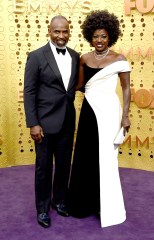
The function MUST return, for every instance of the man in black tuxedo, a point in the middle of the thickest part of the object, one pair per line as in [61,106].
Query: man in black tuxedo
[50,79]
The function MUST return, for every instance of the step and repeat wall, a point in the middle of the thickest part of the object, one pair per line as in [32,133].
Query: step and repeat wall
[24,27]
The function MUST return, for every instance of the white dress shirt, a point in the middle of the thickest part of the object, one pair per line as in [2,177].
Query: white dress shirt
[64,63]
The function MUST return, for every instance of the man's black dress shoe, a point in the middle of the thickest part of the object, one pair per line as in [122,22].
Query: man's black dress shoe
[44,220]
[61,208]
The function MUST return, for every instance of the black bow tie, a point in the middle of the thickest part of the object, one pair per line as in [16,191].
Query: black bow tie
[63,51]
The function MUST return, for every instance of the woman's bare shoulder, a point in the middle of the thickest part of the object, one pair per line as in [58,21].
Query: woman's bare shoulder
[118,56]
[85,57]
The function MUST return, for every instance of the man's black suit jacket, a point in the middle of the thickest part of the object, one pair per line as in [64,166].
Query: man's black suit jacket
[45,97]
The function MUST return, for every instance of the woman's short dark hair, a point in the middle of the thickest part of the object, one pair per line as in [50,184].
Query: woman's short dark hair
[101,19]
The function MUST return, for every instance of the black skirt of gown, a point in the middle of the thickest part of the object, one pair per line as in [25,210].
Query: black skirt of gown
[84,191]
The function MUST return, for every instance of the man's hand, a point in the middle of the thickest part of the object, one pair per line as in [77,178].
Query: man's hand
[36,133]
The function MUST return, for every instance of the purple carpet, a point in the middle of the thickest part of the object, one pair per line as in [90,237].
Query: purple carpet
[18,215]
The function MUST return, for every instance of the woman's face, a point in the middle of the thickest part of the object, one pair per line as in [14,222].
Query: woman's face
[100,40]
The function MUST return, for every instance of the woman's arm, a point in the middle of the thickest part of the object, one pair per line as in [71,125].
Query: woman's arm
[80,82]
[125,84]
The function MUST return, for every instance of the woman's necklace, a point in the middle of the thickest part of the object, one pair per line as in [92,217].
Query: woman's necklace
[102,55]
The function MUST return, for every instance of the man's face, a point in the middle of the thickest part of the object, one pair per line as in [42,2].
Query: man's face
[59,32]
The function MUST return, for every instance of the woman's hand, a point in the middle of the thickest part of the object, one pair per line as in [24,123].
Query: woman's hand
[125,123]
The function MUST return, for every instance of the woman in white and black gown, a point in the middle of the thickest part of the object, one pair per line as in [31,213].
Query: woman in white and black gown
[95,183]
